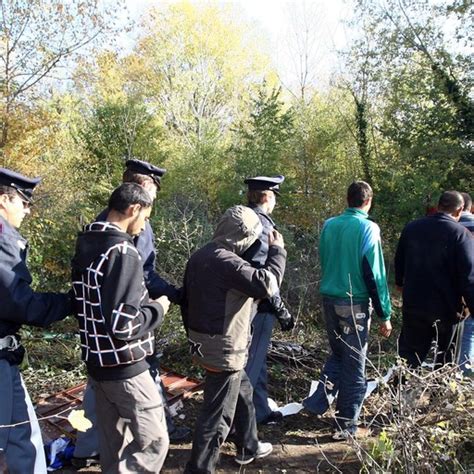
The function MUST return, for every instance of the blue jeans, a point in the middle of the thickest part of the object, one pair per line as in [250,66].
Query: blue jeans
[467,346]
[347,327]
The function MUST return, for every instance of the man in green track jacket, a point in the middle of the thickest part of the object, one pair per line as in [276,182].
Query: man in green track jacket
[353,282]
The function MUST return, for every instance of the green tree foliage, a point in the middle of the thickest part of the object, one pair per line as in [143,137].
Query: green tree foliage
[36,37]
[198,63]
[62,201]
[262,140]
[323,158]
[115,132]
[410,78]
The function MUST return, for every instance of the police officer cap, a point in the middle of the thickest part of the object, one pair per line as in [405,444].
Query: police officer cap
[23,185]
[143,167]
[264,183]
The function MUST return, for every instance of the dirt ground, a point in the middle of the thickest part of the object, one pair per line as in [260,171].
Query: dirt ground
[301,444]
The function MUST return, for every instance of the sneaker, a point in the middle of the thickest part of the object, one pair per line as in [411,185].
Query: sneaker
[180,434]
[80,463]
[273,418]
[263,450]
[342,435]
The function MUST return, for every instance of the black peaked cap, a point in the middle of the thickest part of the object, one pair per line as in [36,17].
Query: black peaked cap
[143,167]
[264,183]
[22,184]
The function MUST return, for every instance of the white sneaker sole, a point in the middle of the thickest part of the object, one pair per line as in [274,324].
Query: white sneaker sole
[263,455]
[244,462]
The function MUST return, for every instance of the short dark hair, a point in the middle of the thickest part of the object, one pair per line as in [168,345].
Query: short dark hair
[358,192]
[128,194]
[467,201]
[256,196]
[450,202]
[130,176]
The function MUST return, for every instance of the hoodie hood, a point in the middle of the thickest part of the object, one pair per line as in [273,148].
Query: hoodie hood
[94,240]
[238,229]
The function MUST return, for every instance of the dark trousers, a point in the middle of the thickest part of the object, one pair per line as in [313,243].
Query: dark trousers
[21,445]
[227,398]
[417,334]
[256,368]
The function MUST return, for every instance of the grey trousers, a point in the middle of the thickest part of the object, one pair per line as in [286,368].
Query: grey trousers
[132,429]
[87,442]
[22,445]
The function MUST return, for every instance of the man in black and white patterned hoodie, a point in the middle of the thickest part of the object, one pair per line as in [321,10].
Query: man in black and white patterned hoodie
[116,320]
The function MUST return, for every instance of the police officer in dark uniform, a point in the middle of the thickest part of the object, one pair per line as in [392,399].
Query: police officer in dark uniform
[22,445]
[149,177]
[262,192]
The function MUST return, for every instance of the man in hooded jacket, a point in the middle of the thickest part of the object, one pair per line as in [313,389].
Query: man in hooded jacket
[116,321]
[220,288]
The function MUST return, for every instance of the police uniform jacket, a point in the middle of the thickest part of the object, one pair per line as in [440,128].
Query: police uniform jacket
[257,254]
[19,303]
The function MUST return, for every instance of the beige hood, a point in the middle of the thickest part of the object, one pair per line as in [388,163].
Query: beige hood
[238,229]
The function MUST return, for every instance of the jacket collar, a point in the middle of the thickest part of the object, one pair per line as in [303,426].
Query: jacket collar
[8,229]
[103,226]
[258,210]
[356,212]
[444,215]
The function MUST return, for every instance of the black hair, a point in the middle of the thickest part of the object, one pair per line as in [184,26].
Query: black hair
[128,194]
[358,192]
[450,202]
[467,201]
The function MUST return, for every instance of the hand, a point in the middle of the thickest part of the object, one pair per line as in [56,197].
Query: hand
[287,323]
[385,328]
[278,308]
[275,238]
[164,303]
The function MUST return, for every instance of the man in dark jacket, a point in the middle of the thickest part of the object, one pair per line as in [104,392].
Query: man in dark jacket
[149,177]
[21,444]
[220,288]
[434,267]
[116,320]
[261,195]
